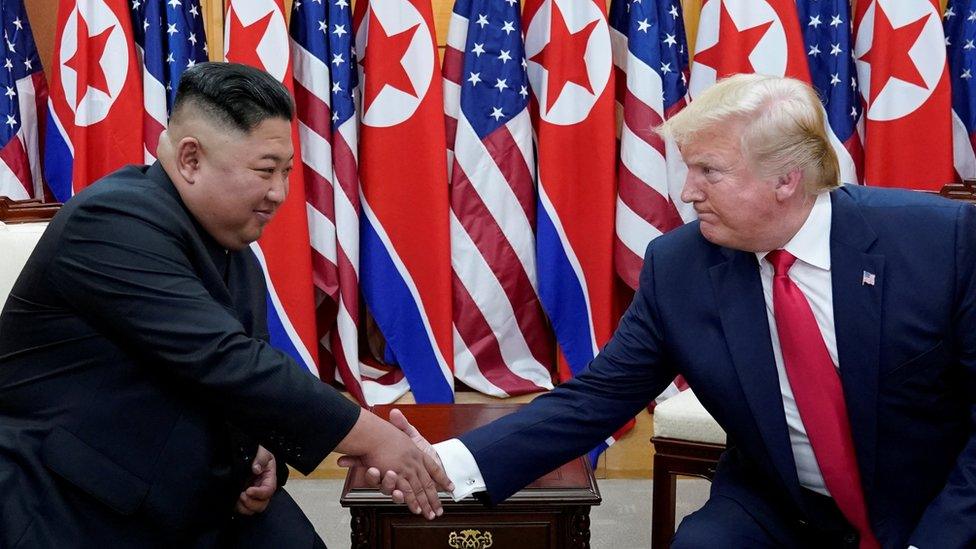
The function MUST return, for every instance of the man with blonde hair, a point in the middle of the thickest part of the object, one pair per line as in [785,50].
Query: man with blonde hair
[828,329]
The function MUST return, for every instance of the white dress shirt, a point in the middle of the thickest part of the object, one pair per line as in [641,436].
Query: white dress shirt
[811,272]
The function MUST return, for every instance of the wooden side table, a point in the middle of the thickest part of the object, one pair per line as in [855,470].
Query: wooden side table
[552,512]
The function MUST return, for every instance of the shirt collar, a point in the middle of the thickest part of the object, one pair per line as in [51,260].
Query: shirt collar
[811,244]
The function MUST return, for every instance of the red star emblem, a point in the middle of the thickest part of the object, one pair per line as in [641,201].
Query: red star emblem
[382,64]
[562,57]
[86,61]
[888,55]
[244,48]
[730,55]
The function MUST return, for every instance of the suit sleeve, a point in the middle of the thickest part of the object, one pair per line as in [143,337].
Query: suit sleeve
[580,414]
[949,521]
[123,266]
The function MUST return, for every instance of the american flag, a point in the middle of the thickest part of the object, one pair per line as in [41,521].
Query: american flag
[501,341]
[827,35]
[326,84]
[960,31]
[650,57]
[25,94]
[170,38]
[651,61]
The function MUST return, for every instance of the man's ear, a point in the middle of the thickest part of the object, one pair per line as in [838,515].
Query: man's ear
[789,185]
[189,154]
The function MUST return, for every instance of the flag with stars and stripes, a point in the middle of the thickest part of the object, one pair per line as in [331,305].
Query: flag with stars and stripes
[904,80]
[95,113]
[651,61]
[827,37]
[405,247]
[650,57]
[25,93]
[169,39]
[502,344]
[960,31]
[255,33]
[326,84]
[809,40]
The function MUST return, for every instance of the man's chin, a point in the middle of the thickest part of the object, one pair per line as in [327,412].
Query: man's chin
[710,234]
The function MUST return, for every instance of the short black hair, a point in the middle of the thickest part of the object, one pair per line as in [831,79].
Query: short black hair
[237,95]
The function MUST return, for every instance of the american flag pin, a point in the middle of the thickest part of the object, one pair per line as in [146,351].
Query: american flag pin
[867,279]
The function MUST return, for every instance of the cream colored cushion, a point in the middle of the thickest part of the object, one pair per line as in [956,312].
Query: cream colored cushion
[17,241]
[683,417]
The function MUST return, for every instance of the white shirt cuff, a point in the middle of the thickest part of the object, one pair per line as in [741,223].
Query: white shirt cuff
[460,467]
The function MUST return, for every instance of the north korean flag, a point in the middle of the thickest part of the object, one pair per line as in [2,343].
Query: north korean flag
[405,262]
[904,79]
[94,121]
[255,34]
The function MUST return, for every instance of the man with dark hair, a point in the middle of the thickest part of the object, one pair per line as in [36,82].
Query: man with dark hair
[140,404]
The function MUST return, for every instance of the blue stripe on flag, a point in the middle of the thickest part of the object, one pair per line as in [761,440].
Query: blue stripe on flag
[399,318]
[562,294]
[594,454]
[279,336]
[58,162]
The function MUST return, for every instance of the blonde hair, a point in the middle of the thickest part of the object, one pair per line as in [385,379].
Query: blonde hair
[783,126]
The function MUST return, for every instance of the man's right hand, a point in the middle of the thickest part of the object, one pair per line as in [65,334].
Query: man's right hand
[412,475]
[387,484]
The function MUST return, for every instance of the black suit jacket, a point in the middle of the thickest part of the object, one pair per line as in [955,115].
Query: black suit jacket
[135,377]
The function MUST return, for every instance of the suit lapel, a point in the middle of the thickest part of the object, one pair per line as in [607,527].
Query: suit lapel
[857,323]
[742,308]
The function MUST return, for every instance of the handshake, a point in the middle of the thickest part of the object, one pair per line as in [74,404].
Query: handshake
[398,460]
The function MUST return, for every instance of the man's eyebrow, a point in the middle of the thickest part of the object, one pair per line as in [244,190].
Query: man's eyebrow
[275,157]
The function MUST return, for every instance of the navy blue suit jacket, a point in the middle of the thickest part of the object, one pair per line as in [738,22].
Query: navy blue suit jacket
[906,346]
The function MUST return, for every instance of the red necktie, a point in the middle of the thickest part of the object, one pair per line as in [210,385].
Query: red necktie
[819,397]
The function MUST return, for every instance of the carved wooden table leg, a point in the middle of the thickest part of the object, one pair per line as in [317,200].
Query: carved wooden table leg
[362,528]
[579,528]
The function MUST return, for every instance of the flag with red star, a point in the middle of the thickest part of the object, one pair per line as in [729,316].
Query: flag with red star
[568,58]
[255,34]
[405,262]
[904,79]
[570,68]
[95,107]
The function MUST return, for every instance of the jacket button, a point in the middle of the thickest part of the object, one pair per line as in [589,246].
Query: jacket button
[850,538]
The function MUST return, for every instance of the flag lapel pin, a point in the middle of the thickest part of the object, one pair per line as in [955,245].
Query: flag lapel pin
[867,279]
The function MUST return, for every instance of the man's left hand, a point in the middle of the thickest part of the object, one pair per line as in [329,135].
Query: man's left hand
[264,482]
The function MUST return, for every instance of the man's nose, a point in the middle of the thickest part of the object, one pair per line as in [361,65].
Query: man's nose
[692,190]
[279,188]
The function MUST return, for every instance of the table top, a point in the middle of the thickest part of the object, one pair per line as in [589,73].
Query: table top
[570,484]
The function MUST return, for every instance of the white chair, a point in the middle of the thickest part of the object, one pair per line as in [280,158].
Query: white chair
[687,441]
[22,222]
[17,241]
